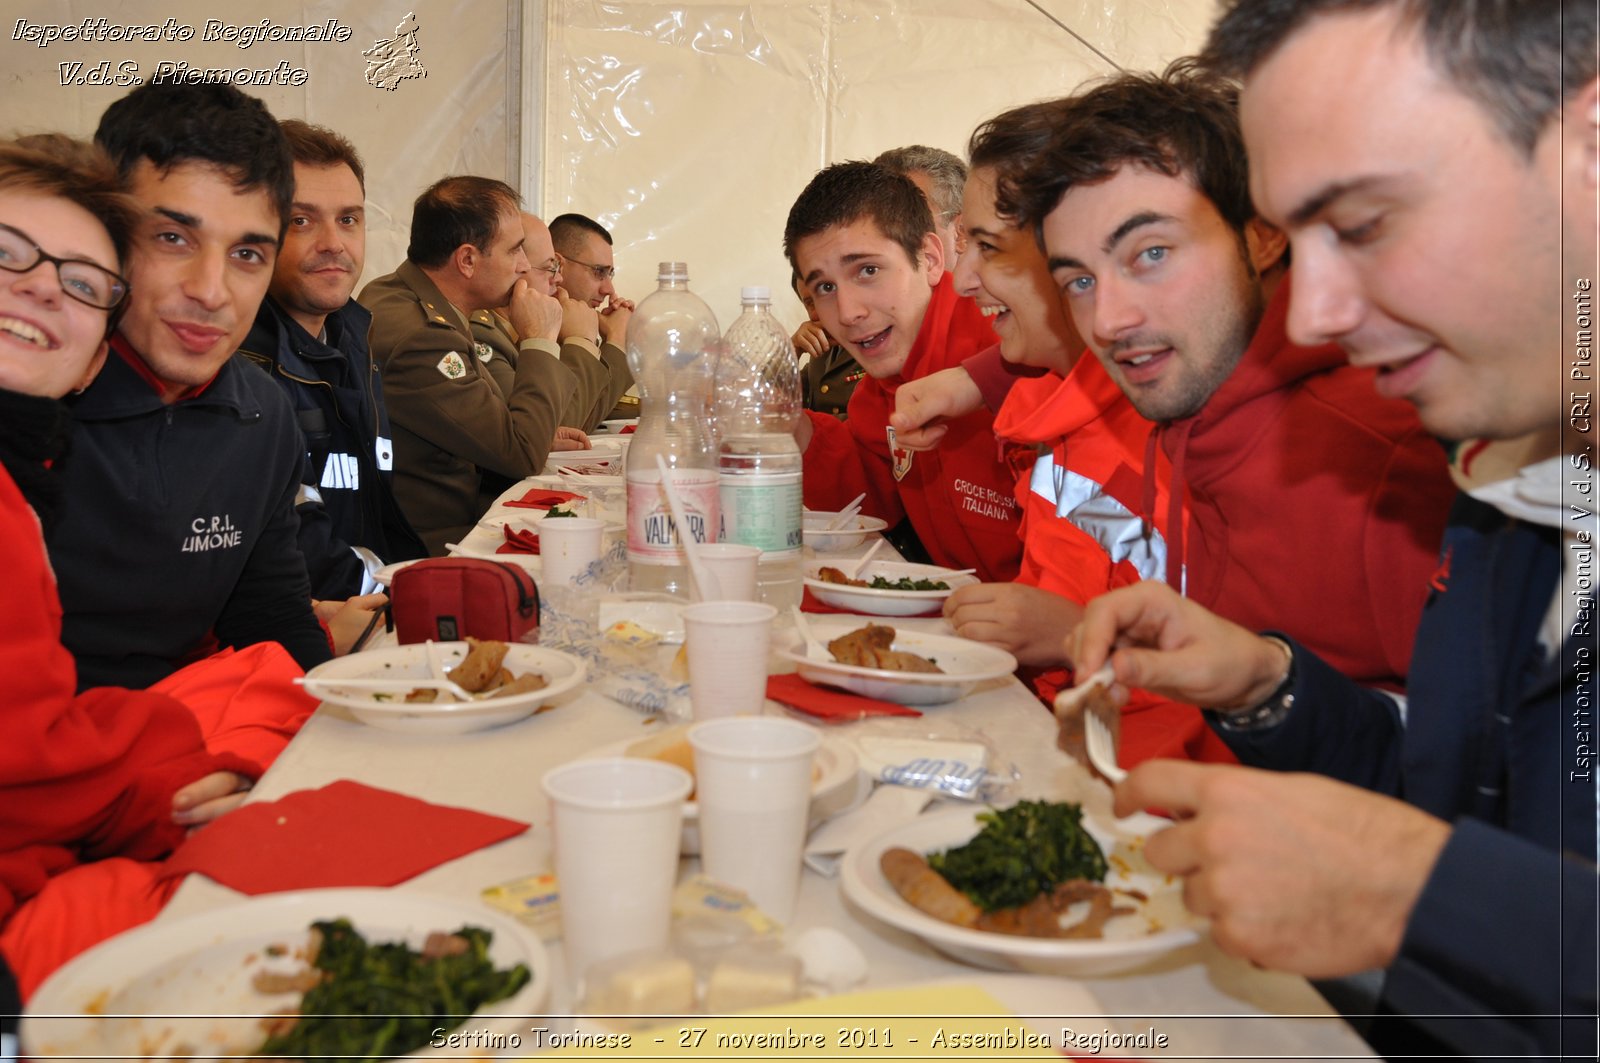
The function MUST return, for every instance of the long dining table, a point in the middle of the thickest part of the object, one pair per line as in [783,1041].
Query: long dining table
[1202,1002]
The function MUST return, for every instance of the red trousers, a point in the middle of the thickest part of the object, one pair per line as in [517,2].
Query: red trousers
[246,703]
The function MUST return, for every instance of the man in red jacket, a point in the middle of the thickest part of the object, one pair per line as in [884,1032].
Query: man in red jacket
[862,241]
[1314,506]
[1077,444]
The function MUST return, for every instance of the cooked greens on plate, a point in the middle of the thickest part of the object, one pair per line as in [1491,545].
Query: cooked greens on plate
[1023,851]
[378,1001]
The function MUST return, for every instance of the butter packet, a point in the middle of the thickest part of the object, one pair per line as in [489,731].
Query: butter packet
[701,895]
[533,901]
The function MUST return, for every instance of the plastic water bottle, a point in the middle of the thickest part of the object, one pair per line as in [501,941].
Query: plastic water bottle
[673,345]
[758,405]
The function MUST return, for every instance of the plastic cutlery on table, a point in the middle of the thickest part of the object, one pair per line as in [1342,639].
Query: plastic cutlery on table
[854,571]
[848,513]
[814,647]
[440,672]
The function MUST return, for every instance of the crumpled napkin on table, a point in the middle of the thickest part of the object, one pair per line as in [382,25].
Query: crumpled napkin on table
[540,498]
[518,541]
[827,703]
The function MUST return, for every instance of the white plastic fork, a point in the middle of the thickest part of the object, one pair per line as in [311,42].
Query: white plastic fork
[1102,750]
[440,672]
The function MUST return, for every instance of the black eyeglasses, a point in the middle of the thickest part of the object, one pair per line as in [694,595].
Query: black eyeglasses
[601,273]
[88,283]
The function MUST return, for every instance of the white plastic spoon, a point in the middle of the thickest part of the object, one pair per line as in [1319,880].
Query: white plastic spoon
[814,647]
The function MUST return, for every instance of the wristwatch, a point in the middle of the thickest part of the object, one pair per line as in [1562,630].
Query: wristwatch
[1266,714]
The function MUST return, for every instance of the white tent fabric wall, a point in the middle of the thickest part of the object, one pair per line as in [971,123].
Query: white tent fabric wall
[687,128]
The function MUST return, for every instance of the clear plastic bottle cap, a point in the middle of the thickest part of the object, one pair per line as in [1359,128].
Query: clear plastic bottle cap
[672,271]
[755,293]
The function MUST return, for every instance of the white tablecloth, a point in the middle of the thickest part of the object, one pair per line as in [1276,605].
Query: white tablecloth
[1206,1003]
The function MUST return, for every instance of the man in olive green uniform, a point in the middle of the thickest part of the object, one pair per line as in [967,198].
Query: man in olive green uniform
[587,272]
[601,368]
[452,422]
[831,373]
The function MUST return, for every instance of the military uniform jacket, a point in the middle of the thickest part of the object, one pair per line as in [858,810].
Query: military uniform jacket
[338,399]
[827,383]
[452,423]
[602,373]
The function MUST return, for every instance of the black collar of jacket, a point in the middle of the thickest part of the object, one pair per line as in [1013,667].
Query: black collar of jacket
[277,339]
[120,392]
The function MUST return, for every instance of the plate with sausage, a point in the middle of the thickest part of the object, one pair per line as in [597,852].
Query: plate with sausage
[1139,911]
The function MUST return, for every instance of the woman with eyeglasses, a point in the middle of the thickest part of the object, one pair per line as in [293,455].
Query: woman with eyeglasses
[91,784]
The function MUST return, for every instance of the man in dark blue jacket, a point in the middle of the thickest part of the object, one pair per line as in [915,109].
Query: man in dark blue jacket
[180,536]
[1436,167]
[311,337]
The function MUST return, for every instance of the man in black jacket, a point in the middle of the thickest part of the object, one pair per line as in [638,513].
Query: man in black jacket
[178,533]
[311,337]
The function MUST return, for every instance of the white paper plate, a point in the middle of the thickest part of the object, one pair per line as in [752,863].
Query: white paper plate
[604,462]
[563,670]
[186,981]
[965,663]
[1161,927]
[875,602]
[814,525]
[833,786]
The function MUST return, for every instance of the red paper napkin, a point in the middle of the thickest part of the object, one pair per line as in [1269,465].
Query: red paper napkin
[344,834]
[539,498]
[827,703]
[628,430]
[518,541]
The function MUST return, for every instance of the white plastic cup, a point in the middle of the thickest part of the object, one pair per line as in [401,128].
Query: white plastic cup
[615,823]
[568,546]
[727,644]
[735,566]
[753,787]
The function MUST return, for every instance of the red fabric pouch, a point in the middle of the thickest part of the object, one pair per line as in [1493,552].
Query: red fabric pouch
[448,598]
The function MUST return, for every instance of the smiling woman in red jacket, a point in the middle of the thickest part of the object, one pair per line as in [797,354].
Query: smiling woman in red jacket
[91,785]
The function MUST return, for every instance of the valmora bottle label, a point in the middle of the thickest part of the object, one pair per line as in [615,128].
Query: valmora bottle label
[653,536]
